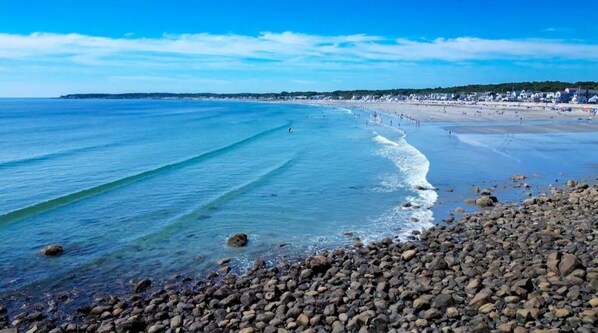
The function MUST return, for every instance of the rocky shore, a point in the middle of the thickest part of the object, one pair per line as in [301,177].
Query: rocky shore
[511,268]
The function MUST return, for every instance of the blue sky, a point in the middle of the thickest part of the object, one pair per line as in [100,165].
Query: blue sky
[49,48]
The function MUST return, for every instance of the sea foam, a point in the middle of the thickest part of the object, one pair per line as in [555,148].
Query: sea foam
[413,169]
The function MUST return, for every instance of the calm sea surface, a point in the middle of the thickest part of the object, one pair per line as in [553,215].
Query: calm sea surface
[143,188]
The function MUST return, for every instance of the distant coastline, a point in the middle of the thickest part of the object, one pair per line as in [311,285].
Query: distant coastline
[452,93]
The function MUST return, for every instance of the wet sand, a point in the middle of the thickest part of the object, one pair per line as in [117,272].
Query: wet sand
[526,129]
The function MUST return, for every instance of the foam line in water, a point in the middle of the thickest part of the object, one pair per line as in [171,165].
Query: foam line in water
[54,155]
[96,190]
[414,166]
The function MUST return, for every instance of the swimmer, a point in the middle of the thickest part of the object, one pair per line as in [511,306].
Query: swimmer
[290,130]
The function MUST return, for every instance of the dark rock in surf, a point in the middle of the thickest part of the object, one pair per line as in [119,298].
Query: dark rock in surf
[238,240]
[52,250]
[142,285]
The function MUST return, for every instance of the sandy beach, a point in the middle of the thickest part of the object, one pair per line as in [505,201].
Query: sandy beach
[485,112]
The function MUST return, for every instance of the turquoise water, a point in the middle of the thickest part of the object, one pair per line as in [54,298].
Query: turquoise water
[142,188]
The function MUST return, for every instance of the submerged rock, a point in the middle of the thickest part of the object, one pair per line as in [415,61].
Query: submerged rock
[142,285]
[52,250]
[519,177]
[238,240]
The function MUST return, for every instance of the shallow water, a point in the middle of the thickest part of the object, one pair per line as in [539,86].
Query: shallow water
[143,188]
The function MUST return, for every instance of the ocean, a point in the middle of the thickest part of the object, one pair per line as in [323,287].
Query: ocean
[153,188]
[147,188]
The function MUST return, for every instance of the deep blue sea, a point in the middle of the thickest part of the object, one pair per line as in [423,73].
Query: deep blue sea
[152,188]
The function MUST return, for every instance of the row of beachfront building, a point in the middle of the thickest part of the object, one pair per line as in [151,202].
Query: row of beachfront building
[569,95]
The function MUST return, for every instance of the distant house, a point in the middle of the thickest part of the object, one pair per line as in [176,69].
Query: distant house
[583,96]
[562,96]
[593,99]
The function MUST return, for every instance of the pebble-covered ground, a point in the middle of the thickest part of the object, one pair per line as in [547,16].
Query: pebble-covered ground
[510,268]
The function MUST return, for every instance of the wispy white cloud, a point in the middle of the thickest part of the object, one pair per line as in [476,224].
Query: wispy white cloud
[49,64]
[556,29]
[304,82]
[287,47]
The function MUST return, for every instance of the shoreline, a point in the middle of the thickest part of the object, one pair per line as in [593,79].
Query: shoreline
[465,113]
[511,268]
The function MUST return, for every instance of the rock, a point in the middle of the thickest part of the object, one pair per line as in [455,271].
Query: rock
[571,183]
[437,264]
[318,263]
[519,177]
[486,191]
[553,261]
[562,313]
[421,322]
[507,327]
[432,314]
[237,240]
[481,328]
[338,327]
[52,250]
[223,261]
[568,264]
[480,299]
[109,327]
[142,285]
[484,201]
[487,308]
[422,302]
[470,201]
[452,312]
[593,302]
[303,320]
[176,321]
[459,210]
[442,301]
[407,255]
[529,202]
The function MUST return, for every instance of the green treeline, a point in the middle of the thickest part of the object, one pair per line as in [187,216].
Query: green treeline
[545,86]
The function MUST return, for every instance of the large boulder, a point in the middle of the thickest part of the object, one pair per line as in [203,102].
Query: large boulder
[238,240]
[484,201]
[52,250]
[568,264]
